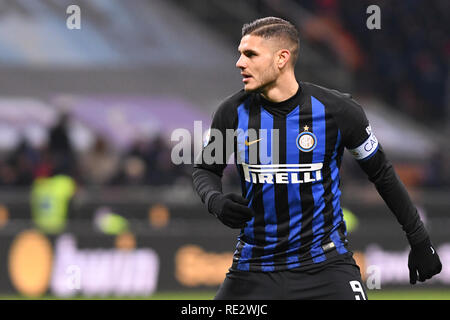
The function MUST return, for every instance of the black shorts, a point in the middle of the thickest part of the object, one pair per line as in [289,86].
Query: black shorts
[339,280]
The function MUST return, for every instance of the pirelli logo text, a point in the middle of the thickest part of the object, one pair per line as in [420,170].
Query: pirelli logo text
[283,173]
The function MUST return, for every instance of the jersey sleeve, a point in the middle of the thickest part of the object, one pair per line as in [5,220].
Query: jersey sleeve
[358,137]
[360,140]
[212,160]
[217,147]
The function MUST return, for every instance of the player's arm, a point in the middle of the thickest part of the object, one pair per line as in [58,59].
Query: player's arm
[364,146]
[229,208]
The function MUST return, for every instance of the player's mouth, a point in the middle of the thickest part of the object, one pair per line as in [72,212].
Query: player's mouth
[245,77]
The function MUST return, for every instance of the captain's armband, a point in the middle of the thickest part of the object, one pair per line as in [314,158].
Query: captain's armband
[367,149]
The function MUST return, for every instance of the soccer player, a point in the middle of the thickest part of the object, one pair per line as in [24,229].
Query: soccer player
[288,142]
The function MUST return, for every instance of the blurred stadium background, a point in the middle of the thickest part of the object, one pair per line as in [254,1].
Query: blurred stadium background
[91,205]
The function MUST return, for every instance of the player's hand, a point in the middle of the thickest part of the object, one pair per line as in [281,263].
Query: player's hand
[423,262]
[231,209]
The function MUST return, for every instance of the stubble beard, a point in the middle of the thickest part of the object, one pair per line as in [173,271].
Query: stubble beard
[268,80]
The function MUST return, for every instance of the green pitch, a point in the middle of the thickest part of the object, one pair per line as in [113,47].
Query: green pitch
[421,294]
[373,295]
[388,294]
[412,294]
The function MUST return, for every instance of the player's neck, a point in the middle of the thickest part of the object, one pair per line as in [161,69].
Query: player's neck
[284,88]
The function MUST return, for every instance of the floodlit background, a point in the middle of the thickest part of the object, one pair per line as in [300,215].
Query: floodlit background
[91,205]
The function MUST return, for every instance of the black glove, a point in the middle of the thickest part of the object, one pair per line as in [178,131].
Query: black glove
[231,209]
[423,262]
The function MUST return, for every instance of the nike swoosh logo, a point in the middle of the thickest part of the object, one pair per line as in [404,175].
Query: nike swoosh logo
[248,143]
[432,250]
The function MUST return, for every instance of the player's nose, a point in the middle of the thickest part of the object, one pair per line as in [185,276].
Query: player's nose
[240,63]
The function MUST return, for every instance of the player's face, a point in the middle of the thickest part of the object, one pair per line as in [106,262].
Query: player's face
[257,63]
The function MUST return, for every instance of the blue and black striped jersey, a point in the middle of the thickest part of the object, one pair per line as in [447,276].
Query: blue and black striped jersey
[288,156]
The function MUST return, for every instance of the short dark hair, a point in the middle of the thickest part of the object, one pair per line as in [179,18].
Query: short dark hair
[271,27]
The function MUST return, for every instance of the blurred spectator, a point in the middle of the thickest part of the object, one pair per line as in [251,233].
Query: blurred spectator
[44,165]
[59,137]
[148,162]
[437,170]
[60,145]
[7,173]
[134,171]
[17,168]
[50,201]
[99,165]
[23,158]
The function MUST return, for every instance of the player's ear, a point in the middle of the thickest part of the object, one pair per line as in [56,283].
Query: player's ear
[283,56]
